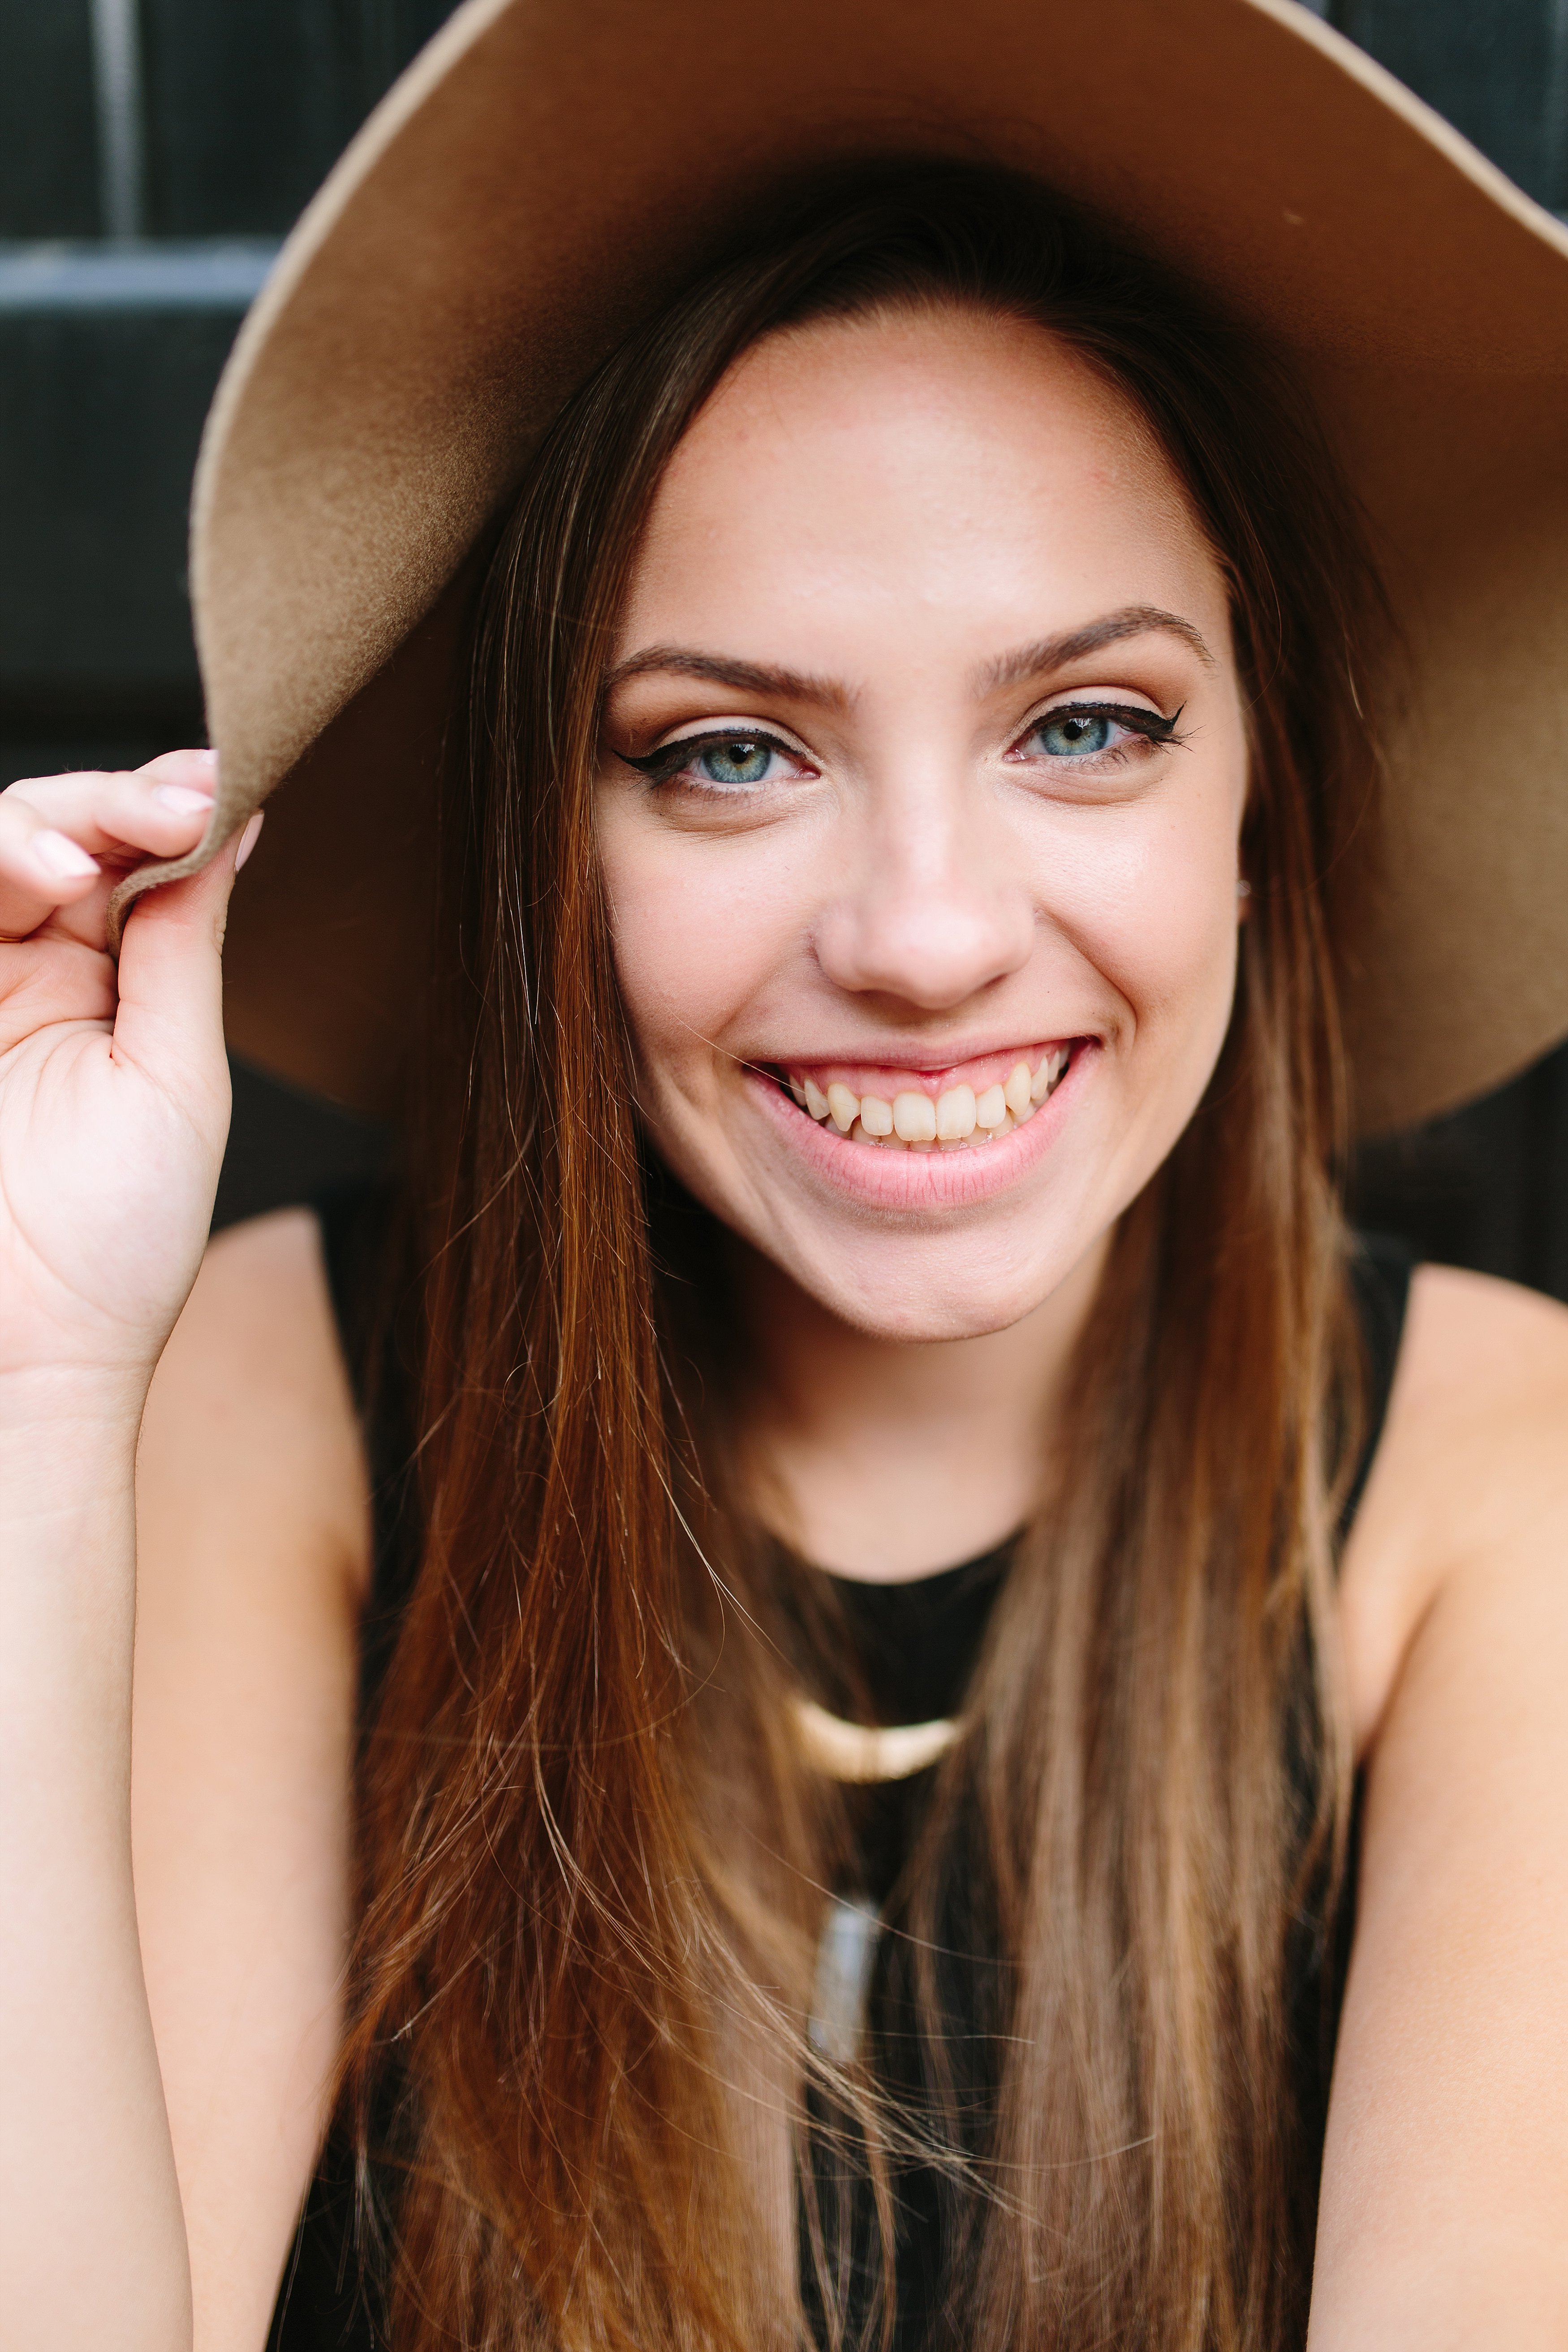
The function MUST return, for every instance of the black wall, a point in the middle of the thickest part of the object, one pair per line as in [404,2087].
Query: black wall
[151,152]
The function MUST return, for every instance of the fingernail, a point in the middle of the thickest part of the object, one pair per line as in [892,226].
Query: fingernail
[247,841]
[181,798]
[61,859]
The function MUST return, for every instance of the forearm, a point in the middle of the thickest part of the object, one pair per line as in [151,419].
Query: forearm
[91,2237]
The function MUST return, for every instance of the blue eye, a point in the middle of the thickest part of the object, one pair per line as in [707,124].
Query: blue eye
[1075,734]
[1087,732]
[736,760]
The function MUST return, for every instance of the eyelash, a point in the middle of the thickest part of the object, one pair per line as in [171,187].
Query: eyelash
[670,761]
[664,765]
[1156,729]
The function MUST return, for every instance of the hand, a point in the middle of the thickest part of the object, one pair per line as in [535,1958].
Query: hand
[113,1085]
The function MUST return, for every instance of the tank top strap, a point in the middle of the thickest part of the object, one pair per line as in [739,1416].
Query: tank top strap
[361,1233]
[1380,1269]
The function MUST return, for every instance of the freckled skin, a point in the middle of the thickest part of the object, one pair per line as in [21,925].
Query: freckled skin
[889,505]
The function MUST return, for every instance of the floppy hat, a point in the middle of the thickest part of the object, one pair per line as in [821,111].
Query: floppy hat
[547,171]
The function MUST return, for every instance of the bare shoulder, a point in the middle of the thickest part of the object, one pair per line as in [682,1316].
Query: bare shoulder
[252,1563]
[1471,1476]
[1445,2166]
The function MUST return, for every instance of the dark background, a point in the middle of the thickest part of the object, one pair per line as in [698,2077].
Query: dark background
[152,153]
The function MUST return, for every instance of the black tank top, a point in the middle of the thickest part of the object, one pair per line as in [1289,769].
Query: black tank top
[919,1643]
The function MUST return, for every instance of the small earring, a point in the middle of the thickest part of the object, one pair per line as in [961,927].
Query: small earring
[1244,889]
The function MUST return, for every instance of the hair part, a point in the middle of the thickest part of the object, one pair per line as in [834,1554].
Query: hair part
[591,1859]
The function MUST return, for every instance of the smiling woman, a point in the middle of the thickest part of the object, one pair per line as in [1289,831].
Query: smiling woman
[956,630]
[815,1687]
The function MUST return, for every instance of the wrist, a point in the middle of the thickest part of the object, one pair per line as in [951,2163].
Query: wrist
[70,1413]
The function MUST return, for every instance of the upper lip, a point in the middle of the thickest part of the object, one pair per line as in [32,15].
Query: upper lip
[901,1053]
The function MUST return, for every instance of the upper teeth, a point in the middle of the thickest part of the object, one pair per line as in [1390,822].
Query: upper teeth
[956,1119]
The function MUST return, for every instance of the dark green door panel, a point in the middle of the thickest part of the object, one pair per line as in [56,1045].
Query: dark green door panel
[239,106]
[249,102]
[103,387]
[48,130]
[1496,69]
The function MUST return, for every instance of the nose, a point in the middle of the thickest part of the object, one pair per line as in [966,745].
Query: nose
[935,911]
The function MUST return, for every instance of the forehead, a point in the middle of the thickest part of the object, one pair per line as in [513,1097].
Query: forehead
[940,461]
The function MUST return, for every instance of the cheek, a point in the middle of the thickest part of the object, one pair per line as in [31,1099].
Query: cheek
[1154,911]
[697,935]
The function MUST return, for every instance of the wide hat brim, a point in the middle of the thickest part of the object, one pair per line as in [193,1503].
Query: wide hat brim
[545,175]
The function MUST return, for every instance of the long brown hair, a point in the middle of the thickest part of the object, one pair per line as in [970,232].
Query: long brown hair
[591,1859]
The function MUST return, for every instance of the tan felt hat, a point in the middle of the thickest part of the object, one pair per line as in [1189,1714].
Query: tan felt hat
[546,172]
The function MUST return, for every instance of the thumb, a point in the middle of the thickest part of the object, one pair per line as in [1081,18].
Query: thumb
[170,1017]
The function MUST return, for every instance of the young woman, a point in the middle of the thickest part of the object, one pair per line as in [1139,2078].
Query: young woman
[881,1578]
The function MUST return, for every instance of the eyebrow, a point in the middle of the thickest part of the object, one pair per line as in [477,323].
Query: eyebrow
[1008,669]
[1113,629]
[718,669]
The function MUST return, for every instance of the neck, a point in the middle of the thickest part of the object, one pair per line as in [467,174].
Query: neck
[886,1459]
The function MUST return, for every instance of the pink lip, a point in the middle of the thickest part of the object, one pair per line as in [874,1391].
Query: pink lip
[916,1181]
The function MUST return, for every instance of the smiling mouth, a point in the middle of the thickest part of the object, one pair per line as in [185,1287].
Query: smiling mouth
[911,1117]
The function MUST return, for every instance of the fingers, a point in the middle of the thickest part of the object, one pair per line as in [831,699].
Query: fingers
[65,840]
[41,869]
[171,990]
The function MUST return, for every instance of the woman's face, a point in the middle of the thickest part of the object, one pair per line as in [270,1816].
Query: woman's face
[924,777]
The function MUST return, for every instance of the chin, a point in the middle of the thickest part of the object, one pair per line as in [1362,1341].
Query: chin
[923,1325]
[924,1304]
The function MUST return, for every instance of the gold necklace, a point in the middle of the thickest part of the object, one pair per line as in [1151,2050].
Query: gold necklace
[865,1752]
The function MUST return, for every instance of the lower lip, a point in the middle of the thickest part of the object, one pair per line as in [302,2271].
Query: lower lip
[915,1181]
